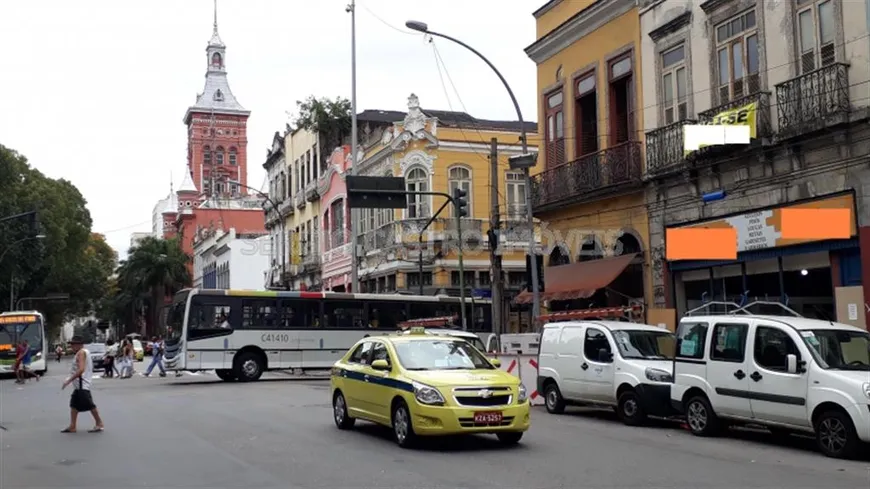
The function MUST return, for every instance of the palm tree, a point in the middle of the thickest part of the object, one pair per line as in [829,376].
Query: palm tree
[155,267]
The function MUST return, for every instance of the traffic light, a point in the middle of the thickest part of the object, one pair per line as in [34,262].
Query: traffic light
[460,200]
[540,263]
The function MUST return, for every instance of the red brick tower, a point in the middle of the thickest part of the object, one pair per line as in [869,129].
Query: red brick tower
[217,137]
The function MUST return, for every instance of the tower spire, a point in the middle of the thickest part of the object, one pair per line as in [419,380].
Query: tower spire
[215,18]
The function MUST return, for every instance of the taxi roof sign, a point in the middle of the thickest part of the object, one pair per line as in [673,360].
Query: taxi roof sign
[418,330]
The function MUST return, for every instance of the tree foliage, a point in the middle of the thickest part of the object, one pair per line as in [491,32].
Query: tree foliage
[154,268]
[330,119]
[70,259]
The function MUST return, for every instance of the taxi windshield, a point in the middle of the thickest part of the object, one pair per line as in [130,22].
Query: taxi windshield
[440,354]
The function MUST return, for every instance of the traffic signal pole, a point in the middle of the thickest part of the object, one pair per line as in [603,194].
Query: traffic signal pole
[496,279]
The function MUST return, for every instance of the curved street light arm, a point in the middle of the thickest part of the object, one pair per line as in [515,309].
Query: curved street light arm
[500,77]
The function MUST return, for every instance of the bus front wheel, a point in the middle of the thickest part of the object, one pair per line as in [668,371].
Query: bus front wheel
[226,375]
[248,367]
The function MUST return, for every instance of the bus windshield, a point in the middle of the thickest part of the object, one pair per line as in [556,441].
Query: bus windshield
[175,316]
[15,329]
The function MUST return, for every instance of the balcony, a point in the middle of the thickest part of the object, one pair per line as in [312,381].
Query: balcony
[813,101]
[299,200]
[285,207]
[588,178]
[381,238]
[763,128]
[665,149]
[311,193]
[469,227]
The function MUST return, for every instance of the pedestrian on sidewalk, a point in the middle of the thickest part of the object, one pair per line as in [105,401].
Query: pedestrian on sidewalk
[59,352]
[81,376]
[157,351]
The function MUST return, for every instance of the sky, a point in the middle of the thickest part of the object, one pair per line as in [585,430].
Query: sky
[95,91]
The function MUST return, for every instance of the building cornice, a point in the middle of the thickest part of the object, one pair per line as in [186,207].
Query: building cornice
[671,26]
[711,5]
[465,146]
[577,27]
[546,8]
[196,110]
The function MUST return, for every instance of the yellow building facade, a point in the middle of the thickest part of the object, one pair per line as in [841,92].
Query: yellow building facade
[587,187]
[439,151]
[306,164]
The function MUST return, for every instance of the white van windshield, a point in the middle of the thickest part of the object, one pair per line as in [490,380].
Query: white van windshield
[645,345]
[839,349]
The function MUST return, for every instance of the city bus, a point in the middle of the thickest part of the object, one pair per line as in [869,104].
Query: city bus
[241,333]
[16,326]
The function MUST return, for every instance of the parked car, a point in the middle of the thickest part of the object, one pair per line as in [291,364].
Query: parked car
[616,364]
[98,354]
[789,374]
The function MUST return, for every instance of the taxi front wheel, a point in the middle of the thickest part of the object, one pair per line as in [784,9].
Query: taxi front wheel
[509,438]
[339,412]
[403,428]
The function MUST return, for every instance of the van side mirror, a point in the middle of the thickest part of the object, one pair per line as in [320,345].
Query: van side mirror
[791,365]
[604,356]
[495,362]
[381,365]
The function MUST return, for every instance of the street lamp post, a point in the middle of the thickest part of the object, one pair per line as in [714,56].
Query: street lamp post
[11,279]
[280,219]
[536,303]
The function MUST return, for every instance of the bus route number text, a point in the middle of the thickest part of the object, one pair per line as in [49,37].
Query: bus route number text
[275,338]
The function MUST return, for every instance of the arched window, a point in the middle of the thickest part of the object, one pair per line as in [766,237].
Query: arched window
[216,60]
[336,223]
[459,177]
[233,160]
[219,155]
[559,257]
[417,181]
[206,156]
[219,95]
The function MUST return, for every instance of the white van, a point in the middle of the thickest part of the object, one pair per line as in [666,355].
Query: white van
[789,374]
[577,366]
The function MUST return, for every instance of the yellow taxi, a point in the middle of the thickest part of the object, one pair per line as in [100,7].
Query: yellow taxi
[427,385]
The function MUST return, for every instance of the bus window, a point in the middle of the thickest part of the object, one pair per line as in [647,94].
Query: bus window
[259,313]
[386,315]
[210,313]
[344,314]
[300,314]
[422,310]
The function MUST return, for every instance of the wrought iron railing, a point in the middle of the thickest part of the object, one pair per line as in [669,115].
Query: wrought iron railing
[762,126]
[666,149]
[813,101]
[588,176]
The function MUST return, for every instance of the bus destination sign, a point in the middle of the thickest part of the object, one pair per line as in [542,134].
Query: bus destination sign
[5,347]
[17,319]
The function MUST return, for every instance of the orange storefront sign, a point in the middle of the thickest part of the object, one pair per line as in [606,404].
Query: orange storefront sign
[722,239]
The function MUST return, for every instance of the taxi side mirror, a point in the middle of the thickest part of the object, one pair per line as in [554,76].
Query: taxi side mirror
[495,362]
[381,364]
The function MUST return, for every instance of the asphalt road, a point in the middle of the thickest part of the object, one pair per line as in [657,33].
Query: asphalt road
[196,431]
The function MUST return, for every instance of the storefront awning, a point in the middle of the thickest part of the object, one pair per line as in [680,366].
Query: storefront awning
[579,280]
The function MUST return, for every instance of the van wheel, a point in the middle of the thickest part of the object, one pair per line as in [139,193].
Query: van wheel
[553,399]
[248,367]
[700,417]
[629,409]
[835,435]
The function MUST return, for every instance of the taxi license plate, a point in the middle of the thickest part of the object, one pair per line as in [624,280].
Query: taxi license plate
[488,417]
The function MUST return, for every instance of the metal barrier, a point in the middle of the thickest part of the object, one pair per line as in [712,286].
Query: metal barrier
[525,367]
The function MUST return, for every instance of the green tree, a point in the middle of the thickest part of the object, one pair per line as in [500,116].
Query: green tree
[70,259]
[154,267]
[330,119]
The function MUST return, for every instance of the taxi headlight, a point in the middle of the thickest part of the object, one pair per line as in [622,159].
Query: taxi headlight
[427,394]
[523,394]
[867,389]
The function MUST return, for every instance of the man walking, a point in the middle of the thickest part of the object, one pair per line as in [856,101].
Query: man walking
[157,359]
[22,363]
[81,376]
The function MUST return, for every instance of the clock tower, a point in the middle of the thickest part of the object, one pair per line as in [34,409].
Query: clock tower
[217,139]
